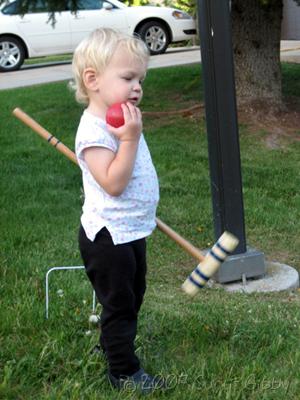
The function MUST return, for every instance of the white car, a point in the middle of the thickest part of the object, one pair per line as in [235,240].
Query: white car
[33,34]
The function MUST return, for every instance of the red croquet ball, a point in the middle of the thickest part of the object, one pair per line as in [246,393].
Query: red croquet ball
[115,116]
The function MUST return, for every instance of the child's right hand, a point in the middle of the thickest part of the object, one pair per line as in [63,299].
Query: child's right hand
[132,128]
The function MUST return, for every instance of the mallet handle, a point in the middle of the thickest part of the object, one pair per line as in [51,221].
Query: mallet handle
[36,127]
[185,244]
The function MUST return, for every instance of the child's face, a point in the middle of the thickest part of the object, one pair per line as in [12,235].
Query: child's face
[121,81]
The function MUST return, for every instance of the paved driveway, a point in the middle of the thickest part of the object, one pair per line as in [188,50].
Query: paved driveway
[34,75]
[290,51]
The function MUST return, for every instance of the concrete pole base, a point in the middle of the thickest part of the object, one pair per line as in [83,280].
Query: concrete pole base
[250,264]
[278,277]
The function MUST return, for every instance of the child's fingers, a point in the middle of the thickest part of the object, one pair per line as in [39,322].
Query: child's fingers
[132,123]
[133,111]
[139,113]
[126,112]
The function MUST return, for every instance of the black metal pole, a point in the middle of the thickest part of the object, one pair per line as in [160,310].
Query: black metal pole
[221,118]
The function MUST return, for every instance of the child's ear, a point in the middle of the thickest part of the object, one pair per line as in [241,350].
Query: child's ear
[90,79]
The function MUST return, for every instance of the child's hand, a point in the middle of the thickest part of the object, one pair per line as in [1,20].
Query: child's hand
[132,128]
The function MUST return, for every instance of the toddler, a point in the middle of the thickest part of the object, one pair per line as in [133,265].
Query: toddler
[121,193]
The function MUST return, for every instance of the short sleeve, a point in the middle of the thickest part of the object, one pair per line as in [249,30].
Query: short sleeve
[92,132]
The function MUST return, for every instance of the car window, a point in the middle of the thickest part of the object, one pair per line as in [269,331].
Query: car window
[42,6]
[39,6]
[90,4]
[10,9]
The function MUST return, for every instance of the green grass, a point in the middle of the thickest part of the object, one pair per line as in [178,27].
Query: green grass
[216,346]
[48,59]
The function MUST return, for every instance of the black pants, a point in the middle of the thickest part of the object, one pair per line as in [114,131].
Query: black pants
[117,273]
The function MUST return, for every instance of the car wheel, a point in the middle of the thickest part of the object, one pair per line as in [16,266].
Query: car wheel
[12,54]
[156,36]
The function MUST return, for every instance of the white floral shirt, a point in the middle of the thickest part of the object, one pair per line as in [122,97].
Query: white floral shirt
[131,215]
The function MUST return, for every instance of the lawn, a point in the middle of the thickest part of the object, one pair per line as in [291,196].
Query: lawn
[216,346]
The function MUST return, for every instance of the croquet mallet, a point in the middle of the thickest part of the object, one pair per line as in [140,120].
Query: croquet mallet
[209,263]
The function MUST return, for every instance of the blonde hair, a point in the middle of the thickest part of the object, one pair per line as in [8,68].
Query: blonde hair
[96,51]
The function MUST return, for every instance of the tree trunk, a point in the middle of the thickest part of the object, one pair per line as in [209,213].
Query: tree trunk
[256,30]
